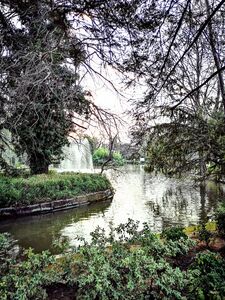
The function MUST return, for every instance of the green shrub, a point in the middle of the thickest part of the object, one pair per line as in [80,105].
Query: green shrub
[207,276]
[118,159]
[107,268]
[25,278]
[220,219]
[39,188]
[129,264]
[101,154]
[174,233]
[204,234]
[124,264]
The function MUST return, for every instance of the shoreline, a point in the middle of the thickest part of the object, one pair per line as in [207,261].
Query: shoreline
[56,205]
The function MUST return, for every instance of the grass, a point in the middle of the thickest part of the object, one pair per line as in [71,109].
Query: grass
[46,187]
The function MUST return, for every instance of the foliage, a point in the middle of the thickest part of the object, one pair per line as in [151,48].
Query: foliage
[130,264]
[118,158]
[42,91]
[41,54]
[127,263]
[174,233]
[204,234]
[6,246]
[173,149]
[220,219]
[102,154]
[25,278]
[181,118]
[39,188]
[208,279]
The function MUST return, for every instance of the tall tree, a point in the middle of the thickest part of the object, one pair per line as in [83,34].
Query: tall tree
[39,91]
[181,113]
[43,45]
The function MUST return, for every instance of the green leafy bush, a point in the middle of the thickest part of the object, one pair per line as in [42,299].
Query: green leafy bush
[204,234]
[174,233]
[130,264]
[125,264]
[207,276]
[220,219]
[40,188]
[25,278]
[118,159]
[101,154]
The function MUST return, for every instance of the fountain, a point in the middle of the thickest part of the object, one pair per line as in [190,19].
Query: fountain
[78,157]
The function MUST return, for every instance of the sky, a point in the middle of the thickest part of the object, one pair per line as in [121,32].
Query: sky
[117,101]
[105,96]
[103,93]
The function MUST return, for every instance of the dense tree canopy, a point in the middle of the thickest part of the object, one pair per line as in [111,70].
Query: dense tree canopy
[182,114]
[43,45]
[174,47]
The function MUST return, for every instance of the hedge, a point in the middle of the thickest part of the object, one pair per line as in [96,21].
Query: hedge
[46,187]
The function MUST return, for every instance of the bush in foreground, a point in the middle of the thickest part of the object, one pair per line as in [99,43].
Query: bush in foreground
[39,188]
[25,278]
[135,265]
[220,219]
[126,264]
[174,233]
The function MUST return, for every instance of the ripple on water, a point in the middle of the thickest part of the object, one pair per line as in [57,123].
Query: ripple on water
[156,199]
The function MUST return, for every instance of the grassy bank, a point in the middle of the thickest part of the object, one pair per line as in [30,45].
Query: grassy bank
[40,188]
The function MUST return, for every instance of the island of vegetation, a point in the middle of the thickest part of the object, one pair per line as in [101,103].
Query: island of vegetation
[46,193]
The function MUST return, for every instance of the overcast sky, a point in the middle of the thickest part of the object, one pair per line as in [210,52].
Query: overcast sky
[118,102]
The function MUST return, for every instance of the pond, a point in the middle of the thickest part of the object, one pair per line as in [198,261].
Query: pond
[156,199]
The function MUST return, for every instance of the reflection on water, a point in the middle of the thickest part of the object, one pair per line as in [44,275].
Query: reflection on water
[155,199]
[39,232]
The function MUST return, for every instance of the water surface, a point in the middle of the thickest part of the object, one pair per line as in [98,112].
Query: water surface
[155,199]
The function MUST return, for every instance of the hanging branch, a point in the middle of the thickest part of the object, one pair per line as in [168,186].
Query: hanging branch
[198,87]
[174,37]
[199,32]
[110,157]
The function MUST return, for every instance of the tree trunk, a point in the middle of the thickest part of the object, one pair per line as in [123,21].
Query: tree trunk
[202,165]
[38,164]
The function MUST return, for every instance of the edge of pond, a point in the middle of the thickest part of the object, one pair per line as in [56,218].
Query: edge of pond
[56,205]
